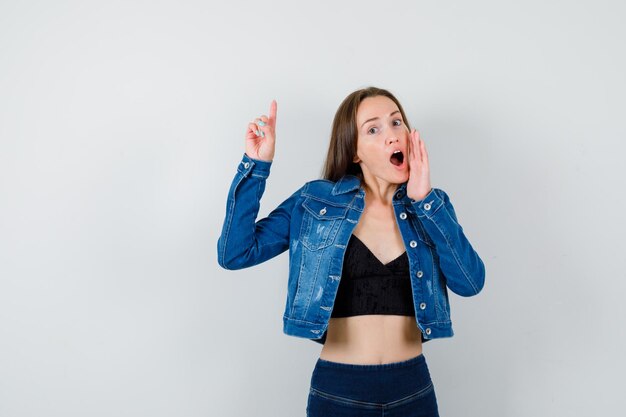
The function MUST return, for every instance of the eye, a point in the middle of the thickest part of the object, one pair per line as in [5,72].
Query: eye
[397,122]
[372,130]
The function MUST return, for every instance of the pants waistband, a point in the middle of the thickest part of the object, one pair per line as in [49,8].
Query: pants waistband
[417,360]
[380,383]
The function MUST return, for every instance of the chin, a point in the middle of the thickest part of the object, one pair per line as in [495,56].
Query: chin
[398,178]
[395,175]
[401,176]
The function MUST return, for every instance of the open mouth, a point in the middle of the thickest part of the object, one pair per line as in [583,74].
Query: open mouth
[397,158]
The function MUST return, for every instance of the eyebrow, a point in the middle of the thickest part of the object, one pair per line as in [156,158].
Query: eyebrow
[375,118]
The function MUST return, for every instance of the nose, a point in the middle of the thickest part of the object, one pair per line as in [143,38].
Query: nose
[392,139]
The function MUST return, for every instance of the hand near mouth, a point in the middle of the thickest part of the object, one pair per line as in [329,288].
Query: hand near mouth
[418,185]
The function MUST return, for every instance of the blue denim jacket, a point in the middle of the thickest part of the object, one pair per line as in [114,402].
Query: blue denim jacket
[315,224]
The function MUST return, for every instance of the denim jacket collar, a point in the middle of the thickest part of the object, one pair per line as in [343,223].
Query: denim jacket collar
[346,184]
[349,183]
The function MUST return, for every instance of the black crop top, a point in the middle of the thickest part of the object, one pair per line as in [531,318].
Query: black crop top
[369,287]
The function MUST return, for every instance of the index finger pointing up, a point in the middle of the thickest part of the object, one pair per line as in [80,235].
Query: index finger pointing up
[273,113]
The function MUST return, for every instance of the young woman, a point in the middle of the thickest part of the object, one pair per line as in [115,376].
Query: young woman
[373,249]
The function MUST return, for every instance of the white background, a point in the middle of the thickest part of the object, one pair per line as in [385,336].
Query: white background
[122,124]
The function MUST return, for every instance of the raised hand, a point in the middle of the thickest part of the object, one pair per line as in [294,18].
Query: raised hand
[261,136]
[418,185]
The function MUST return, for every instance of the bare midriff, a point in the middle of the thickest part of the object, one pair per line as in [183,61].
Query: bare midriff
[372,339]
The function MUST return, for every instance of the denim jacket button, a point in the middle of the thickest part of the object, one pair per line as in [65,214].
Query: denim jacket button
[246,165]
[399,195]
[427,206]
[428,330]
[422,306]
[419,274]
[413,243]
[323,211]
[403,216]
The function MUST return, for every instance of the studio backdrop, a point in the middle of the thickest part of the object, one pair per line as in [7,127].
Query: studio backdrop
[121,127]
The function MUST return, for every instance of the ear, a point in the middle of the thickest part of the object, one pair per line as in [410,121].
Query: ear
[356,159]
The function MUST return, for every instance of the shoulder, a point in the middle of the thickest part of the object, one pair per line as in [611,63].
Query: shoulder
[339,192]
[318,189]
[319,186]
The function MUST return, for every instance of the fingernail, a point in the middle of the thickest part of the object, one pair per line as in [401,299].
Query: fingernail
[256,132]
[261,123]
[262,133]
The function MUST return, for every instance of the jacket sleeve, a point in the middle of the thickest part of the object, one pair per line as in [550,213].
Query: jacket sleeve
[463,269]
[245,242]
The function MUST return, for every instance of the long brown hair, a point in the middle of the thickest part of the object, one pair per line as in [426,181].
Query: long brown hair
[343,138]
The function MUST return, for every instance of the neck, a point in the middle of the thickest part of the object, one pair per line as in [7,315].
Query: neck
[377,190]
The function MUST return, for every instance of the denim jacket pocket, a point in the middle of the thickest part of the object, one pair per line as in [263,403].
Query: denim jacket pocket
[320,223]
[419,228]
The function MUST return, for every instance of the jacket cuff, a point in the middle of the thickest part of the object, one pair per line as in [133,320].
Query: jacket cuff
[254,167]
[429,205]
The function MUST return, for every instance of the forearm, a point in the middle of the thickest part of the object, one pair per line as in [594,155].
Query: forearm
[242,207]
[459,262]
